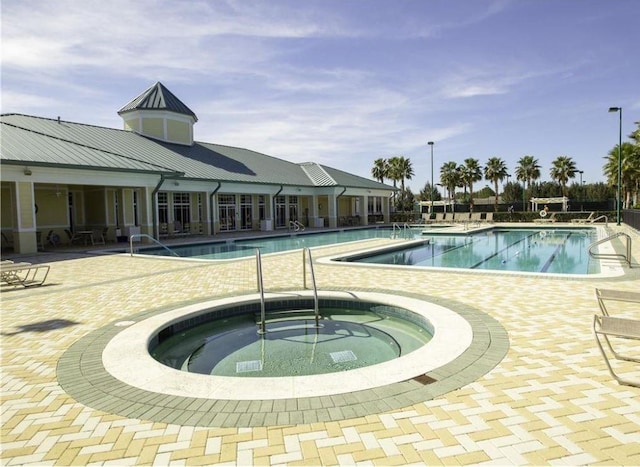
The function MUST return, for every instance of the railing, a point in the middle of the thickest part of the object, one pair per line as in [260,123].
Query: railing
[606,220]
[405,230]
[263,317]
[626,257]
[153,240]
[316,306]
[295,225]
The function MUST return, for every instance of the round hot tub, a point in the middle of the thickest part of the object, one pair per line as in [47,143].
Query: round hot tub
[294,340]
[213,349]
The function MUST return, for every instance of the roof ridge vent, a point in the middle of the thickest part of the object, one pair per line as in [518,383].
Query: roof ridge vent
[317,174]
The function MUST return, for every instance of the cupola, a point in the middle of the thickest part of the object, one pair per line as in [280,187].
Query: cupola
[157,113]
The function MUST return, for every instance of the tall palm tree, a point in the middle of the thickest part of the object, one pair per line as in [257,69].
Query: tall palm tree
[405,170]
[450,177]
[563,168]
[470,172]
[380,169]
[394,174]
[495,171]
[630,169]
[527,170]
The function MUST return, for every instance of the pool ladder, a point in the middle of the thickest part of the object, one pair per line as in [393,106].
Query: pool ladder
[139,236]
[405,230]
[296,226]
[306,253]
[626,256]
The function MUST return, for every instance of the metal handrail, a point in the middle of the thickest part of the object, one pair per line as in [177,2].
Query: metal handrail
[606,220]
[626,257]
[263,318]
[316,308]
[153,240]
[296,225]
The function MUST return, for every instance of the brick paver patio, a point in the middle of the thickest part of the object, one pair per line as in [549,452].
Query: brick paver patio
[550,400]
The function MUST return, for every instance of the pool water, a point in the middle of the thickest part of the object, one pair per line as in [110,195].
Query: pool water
[243,248]
[561,251]
[345,340]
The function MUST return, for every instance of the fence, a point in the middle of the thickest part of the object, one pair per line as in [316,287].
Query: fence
[631,217]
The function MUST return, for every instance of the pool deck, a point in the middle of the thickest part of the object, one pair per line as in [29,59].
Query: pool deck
[550,400]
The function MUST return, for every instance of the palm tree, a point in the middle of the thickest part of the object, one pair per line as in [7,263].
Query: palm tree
[380,169]
[630,168]
[527,170]
[470,172]
[495,171]
[563,169]
[405,170]
[450,177]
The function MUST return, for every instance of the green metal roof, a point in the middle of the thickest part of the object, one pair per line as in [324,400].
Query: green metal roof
[158,97]
[29,139]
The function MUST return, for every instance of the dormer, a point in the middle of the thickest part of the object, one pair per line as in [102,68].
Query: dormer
[158,114]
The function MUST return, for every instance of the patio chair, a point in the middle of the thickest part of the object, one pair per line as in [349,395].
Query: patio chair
[73,237]
[476,218]
[100,236]
[488,218]
[461,217]
[585,220]
[608,326]
[439,217]
[448,217]
[615,295]
[6,243]
[24,274]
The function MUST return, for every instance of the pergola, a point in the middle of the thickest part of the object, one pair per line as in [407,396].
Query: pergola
[443,203]
[536,202]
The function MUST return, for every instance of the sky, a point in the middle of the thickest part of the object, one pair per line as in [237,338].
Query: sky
[343,82]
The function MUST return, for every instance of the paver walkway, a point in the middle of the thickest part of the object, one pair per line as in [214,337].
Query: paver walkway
[549,401]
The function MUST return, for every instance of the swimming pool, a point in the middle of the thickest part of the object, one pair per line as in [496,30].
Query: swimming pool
[560,251]
[274,244]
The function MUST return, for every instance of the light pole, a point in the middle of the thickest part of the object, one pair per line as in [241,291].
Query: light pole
[619,190]
[581,190]
[430,143]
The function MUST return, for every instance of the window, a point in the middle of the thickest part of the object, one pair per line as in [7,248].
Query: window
[181,208]
[246,212]
[135,208]
[262,208]
[281,211]
[163,208]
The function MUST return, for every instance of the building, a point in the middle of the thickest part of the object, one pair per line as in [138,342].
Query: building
[153,178]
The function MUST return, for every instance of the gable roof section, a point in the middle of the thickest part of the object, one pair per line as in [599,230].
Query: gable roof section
[23,146]
[27,139]
[158,97]
[354,181]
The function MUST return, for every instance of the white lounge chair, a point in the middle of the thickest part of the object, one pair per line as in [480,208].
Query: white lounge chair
[24,274]
[585,220]
[551,218]
[615,295]
[608,326]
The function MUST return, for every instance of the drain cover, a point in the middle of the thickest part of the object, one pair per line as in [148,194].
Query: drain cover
[343,356]
[250,365]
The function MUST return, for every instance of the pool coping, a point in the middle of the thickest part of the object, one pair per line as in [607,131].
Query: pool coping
[127,356]
[81,373]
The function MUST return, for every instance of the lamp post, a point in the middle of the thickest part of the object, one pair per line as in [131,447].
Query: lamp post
[619,198]
[430,143]
[581,190]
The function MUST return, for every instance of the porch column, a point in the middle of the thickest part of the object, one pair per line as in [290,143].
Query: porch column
[333,210]
[386,215]
[24,219]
